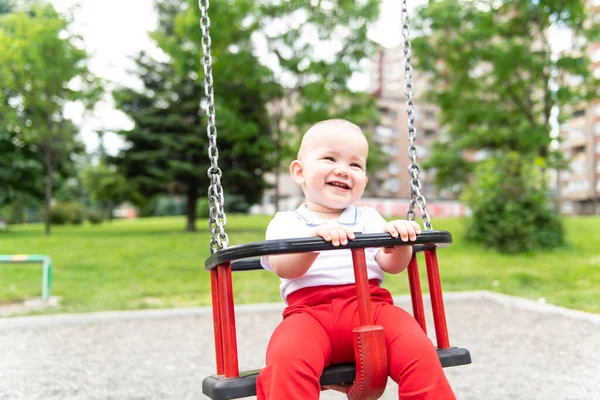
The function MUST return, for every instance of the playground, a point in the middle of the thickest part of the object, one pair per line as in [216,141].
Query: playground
[203,339]
[520,349]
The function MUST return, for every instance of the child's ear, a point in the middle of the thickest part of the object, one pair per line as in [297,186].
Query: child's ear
[297,172]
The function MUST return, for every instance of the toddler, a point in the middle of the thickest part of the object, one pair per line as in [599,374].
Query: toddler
[318,287]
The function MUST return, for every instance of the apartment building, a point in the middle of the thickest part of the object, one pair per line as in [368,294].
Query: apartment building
[387,84]
[579,186]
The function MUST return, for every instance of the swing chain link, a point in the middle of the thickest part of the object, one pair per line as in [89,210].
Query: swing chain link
[217,219]
[416,198]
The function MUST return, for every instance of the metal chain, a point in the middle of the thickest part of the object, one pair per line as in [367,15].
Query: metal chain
[217,219]
[416,198]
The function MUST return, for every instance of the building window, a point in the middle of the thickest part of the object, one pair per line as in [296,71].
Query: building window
[390,149]
[578,186]
[577,134]
[579,113]
[597,109]
[566,207]
[392,185]
[388,112]
[596,128]
[578,166]
[393,168]
[430,115]
[383,110]
[385,132]
[429,133]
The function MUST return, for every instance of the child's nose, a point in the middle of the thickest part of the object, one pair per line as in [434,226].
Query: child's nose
[341,171]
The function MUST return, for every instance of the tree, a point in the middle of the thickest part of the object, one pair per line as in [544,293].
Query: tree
[168,147]
[165,148]
[107,187]
[19,166]
[44,69]
[496,82]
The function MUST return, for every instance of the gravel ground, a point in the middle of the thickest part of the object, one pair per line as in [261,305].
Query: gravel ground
[520,350]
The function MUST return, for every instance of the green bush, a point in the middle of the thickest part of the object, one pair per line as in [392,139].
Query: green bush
[168,205]
[13,213]
[66,213]
[95,216]
[202,208]
[510,210]
[235,203]
[21,211]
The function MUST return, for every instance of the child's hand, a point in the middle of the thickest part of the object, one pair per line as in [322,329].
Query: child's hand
[405,229]
[334,233]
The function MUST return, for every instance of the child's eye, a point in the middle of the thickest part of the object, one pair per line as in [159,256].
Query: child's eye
[355,165]
[329,159]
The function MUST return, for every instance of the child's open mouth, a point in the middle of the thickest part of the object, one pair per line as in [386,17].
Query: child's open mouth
[340,185]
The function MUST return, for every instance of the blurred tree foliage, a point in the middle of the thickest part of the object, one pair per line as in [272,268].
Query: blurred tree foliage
[43,67]
[167,149]
[316,49]
[6,6]
[496,81]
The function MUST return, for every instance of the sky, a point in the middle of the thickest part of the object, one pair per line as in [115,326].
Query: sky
[114,30]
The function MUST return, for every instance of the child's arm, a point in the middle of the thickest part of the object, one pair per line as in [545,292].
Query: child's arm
[394,260]
[291,266]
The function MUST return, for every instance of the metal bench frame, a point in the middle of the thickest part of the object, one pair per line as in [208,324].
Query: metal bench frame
[46,268]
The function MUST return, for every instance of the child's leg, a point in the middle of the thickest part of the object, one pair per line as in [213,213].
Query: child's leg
[413,362]
[297,353]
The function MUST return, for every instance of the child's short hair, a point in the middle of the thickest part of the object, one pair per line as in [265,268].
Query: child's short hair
[339,121]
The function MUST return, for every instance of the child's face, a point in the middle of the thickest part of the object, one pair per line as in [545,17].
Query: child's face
[332,169]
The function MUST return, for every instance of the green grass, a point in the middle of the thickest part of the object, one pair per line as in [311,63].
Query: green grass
[152,263]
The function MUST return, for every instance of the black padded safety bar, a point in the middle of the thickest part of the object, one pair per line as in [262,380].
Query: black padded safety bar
[300,245]
[218,387]
[253,264]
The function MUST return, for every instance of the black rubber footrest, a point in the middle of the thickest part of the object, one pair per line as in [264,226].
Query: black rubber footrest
[217,387]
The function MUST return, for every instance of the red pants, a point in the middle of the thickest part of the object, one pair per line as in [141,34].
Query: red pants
[317,332]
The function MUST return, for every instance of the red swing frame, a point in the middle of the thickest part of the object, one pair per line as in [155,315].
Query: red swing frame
[371,363]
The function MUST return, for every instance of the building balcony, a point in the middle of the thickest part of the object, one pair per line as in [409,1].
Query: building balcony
[424,124]
[575,142]
[579,196]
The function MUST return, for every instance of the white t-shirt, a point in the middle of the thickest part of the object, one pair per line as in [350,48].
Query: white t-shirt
[331,267]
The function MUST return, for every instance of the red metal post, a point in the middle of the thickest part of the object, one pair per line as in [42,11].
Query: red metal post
[214,289]
[363,296]
[416,294]
[437,302]
[230,357]
[370,352]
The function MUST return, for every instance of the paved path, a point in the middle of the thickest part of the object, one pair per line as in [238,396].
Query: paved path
[520,350]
